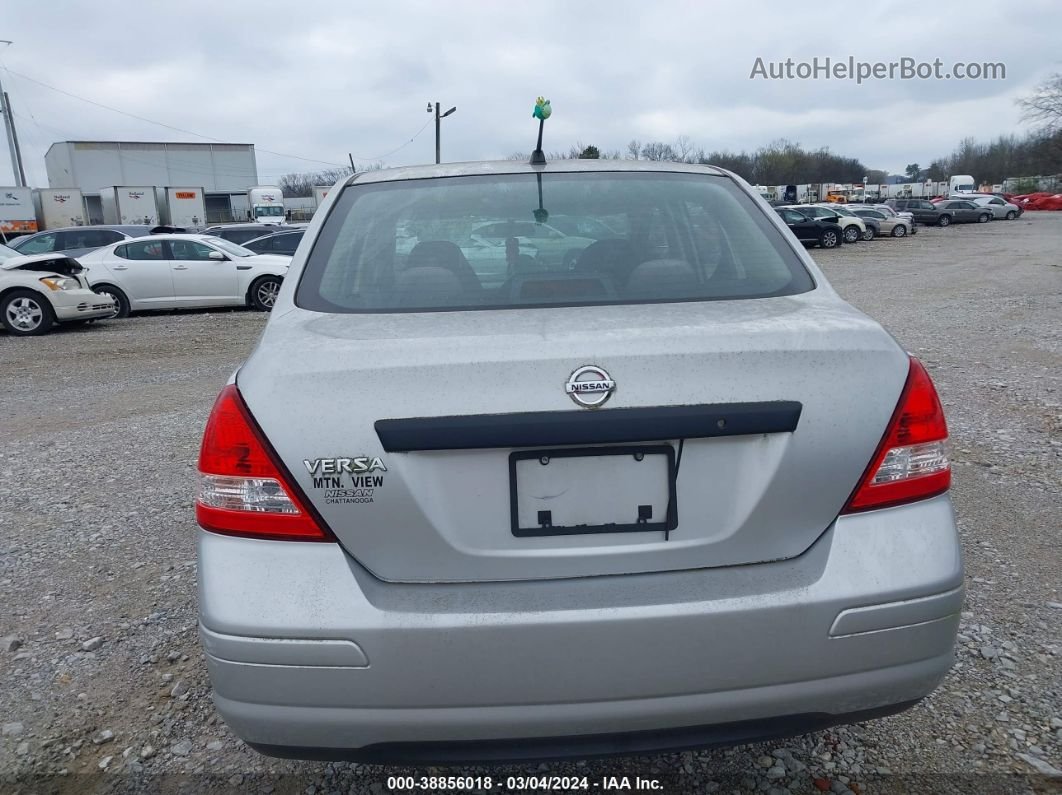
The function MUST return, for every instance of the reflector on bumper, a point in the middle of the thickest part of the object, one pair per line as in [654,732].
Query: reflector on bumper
[245,494]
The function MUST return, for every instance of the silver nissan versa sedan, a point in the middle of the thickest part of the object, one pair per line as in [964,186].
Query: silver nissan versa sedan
[665,490]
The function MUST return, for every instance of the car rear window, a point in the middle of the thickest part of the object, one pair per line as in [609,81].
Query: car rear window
[486,242]
[239,236]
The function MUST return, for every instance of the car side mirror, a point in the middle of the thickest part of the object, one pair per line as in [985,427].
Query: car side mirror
[217,256]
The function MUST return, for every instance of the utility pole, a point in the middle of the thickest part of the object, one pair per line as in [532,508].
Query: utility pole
[438,118]
[12,137]
[16,163]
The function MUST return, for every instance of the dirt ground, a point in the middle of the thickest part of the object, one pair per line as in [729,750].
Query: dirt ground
[102,683]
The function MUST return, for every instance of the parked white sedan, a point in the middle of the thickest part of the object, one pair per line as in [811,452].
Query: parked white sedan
[184,271]
[36,292]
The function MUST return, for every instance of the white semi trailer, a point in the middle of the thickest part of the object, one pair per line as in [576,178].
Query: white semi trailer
[183,207]
[17,216]
[59,207]
[319,193]
[129,205]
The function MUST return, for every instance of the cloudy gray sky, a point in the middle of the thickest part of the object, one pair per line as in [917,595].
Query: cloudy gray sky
[320,79]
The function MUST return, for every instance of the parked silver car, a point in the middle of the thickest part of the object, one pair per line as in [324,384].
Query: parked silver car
[884,224]
[671,494]
[887,211]
[1001,209]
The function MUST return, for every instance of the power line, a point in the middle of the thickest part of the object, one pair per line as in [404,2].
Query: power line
[163,124]
[396,149]
[186,166]
[189,166]
[23,100]
[195,168]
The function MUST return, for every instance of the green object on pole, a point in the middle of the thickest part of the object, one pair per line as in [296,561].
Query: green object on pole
[541,112]
[542,109]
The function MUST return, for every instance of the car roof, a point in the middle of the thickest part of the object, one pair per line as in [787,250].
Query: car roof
[126,228]
[497,167]
[222,227]
[169,236]
[275,234]
[300,230]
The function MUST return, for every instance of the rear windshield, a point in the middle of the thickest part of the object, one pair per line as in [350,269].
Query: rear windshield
[486,242]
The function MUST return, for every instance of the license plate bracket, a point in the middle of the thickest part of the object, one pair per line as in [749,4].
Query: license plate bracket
[621,489]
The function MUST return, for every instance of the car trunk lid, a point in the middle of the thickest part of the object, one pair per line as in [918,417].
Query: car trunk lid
[431,442]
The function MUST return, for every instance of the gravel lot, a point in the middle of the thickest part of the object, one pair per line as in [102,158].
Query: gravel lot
[102,685]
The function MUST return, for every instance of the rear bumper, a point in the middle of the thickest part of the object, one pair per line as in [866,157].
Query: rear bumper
[310,655]
[651,741]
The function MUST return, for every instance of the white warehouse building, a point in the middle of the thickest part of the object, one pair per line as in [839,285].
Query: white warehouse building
[224,171]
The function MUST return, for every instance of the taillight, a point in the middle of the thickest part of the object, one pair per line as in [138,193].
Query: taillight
[911,463]
[243,488]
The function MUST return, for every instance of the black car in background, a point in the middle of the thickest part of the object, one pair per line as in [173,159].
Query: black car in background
[279,243]
[812,231]
[244,233]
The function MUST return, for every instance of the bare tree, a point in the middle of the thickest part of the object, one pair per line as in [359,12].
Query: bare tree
[741,164]
[658,150]
[1044,106]
[938,170]
[784,162]
[296,185]
[684,147]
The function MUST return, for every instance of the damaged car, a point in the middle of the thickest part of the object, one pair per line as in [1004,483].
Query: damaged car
[36,292]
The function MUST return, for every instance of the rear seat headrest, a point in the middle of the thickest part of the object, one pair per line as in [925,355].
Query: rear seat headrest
[662,278]
[427,286]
